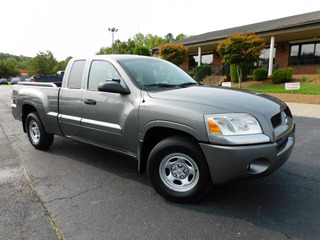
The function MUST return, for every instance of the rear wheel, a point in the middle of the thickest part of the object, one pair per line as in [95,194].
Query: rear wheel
[178,170]
[37,135]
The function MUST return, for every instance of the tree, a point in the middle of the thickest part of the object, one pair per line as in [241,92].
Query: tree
[141,50]
[12,60]
[169,38]
[139,40]
[241,48]
[62,65]
[151,41]
[119,48]
[43,64]
[8,69]
[22,62]
[174,53]
[181,36]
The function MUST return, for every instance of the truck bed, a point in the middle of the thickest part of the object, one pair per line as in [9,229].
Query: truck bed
[42,96]
[38,84]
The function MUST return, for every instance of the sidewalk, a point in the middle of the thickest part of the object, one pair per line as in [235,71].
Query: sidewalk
[305,110]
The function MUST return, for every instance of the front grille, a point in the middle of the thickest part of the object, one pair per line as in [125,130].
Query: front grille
[276,120]
[288,112]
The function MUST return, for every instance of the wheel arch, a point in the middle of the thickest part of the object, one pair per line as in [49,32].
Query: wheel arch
[153,136]
[26,109]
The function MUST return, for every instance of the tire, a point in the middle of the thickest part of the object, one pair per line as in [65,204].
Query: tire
[37,135]
[178,170]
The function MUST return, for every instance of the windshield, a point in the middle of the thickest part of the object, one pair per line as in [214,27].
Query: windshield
[153,72]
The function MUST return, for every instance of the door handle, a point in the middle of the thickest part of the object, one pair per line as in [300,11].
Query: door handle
[90,102]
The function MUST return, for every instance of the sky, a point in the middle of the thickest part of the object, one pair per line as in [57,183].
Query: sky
[80,28]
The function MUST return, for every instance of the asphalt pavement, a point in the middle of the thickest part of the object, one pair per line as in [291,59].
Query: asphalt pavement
[22,213]
[77,191]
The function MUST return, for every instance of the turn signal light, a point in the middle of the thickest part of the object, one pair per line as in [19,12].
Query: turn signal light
[214,127]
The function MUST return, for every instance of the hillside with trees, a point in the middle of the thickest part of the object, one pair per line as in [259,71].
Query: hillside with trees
[44,63]
[21,62]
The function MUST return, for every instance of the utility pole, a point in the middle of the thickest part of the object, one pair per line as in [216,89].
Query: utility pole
[113,30]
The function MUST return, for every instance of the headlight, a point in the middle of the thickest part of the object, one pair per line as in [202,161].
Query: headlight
[230,124]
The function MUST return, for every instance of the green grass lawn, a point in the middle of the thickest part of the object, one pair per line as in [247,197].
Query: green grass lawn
[311,89]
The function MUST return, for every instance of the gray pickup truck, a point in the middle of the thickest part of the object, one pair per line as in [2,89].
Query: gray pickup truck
[187,136]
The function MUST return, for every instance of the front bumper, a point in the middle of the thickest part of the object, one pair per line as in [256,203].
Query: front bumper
[227,163]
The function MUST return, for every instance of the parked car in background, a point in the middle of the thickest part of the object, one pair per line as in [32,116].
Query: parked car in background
[15,80]
[3,81]
[46,78]
[60,74]
[56,79]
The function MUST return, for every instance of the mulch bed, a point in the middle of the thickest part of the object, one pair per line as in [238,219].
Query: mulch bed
[297,98]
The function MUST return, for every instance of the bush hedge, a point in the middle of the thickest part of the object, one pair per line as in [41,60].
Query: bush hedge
[282,75]
[260,74]
[175,53]
[202,72]
[234,74]
[191,74]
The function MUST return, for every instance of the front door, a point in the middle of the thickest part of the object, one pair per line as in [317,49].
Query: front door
[104,114]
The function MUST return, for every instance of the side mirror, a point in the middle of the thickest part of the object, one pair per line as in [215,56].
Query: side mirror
[113,87]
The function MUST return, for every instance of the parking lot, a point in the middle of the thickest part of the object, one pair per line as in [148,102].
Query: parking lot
[78,191]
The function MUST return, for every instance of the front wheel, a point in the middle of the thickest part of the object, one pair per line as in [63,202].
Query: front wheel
[37,135]
[178,170]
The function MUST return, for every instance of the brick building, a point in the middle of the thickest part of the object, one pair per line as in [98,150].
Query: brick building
[291,42]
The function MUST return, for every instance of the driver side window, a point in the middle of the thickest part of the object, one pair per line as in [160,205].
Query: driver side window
[101,71]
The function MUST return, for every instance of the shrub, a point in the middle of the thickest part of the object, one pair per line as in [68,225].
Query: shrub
[234,74]
[191,74]
[260,74]
[282,75]
[175,53]
[202,72]
[306,79]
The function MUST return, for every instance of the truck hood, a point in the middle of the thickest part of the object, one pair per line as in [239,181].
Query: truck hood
[228,99]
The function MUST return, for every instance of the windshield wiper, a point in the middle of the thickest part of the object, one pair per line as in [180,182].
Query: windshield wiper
[162,85]
[165,85]
[187,84]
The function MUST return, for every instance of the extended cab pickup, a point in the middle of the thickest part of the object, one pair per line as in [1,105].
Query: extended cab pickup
[187,136]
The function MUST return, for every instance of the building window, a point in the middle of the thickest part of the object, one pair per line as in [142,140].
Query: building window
[317,51]
[193,63]
[304,54]
[206,59]
[264,57]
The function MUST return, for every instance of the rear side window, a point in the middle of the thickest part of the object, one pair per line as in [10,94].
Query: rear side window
[102,71]
[76,73]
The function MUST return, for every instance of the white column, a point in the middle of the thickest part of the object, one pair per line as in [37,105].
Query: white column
[199,56]
[271,56]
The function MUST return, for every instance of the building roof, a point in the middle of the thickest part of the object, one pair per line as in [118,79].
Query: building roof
[258,28]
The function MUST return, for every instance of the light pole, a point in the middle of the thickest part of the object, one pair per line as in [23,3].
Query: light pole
[113,30]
